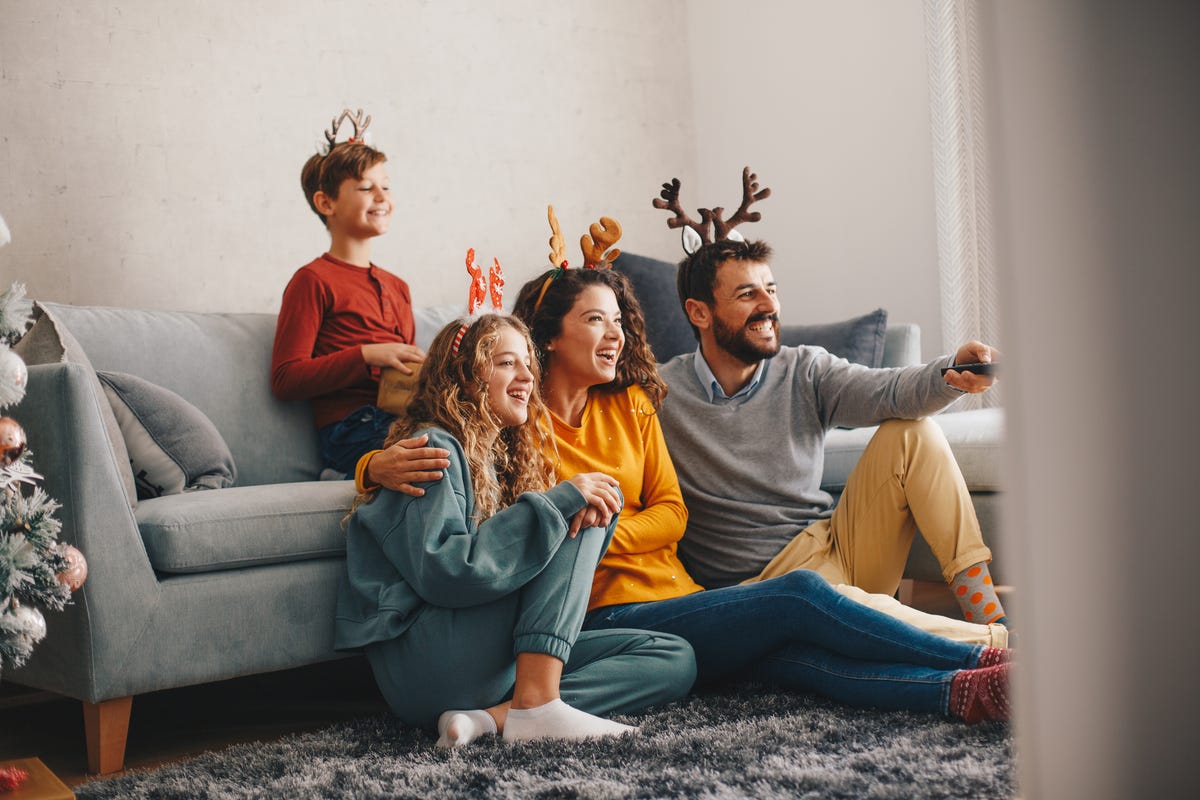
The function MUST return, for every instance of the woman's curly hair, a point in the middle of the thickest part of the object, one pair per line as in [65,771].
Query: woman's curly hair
[636,364]
[452,394]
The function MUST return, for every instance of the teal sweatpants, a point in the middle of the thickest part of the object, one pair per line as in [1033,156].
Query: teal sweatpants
[461,658]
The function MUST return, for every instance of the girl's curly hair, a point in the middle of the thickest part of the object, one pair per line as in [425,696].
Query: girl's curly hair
[452,394]
[636,364]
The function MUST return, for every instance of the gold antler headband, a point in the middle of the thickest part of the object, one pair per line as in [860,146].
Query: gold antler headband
[595,245]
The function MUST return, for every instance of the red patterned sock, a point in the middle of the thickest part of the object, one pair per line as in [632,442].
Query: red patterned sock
[980,694]
[991,656]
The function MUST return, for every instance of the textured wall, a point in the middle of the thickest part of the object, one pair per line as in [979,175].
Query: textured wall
[150,151]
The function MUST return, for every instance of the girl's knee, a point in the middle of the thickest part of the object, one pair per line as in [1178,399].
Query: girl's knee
[678,672]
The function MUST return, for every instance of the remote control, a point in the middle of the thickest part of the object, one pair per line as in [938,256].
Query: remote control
[978,369]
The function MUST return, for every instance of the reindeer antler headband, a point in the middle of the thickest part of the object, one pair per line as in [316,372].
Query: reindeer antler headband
[359,122]
[697,234]
[595,245]
[492,287]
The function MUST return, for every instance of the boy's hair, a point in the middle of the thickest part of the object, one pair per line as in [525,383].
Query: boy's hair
[697,273]
[636,364]
[324,172]
[452,394]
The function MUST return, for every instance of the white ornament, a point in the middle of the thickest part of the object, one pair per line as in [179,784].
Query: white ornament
[5,236]
[13,377]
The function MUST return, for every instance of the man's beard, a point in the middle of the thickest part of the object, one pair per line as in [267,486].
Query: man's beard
[737,342]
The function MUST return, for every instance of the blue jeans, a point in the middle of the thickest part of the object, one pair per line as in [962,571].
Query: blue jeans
[343,443]
[798,632]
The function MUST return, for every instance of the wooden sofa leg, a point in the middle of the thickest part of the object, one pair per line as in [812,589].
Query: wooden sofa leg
[107,726]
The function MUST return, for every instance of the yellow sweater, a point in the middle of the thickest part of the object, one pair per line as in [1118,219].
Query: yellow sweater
[620,436]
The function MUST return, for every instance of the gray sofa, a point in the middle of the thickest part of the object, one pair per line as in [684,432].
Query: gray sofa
[208,585]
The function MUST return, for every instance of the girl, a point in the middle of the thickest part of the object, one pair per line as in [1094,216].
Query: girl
[472,595]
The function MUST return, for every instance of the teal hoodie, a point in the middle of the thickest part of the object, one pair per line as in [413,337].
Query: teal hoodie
[404,552]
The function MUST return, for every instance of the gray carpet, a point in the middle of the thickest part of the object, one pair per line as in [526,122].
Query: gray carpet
[748,742]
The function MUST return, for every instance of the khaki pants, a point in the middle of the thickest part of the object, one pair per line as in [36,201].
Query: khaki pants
[906,478]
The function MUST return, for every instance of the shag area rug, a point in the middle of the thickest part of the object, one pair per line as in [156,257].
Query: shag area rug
[750,742]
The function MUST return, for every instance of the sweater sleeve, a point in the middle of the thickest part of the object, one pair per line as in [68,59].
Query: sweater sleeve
[852,396]
[449,561]
[295,373]
[663,517]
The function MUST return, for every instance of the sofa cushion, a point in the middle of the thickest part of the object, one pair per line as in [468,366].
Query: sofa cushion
[245,526]
[172,446]
[975,437]
[860,339]
[50,342]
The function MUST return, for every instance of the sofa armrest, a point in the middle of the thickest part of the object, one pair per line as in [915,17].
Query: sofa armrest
[902,345]
[86,644]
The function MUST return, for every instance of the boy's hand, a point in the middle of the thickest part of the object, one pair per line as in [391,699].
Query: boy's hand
[392,354]
[406,462]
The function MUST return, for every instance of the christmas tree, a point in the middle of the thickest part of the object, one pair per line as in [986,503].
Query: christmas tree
[36,571]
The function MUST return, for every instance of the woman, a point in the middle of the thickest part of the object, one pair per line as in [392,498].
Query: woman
[441,590]
[602,388]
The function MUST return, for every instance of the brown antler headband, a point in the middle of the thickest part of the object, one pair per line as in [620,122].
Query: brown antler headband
[595,245]
[697,234]
[359,122]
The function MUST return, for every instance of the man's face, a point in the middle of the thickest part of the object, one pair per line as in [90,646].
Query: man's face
[746,311]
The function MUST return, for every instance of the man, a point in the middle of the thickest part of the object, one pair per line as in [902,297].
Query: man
[745,421]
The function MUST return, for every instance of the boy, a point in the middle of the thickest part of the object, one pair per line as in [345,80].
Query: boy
[343,318]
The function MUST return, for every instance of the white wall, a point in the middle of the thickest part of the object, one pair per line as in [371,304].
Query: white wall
[150,150]
[829,104]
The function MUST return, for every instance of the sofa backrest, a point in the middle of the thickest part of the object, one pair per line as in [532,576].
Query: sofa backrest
[221,364]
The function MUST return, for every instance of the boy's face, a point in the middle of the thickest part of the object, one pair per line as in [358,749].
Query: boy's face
[363,207]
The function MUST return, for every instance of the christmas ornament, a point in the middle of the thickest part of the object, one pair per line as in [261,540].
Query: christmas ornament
[26,623]
[13,377]
[11,778]
[76,572]
[12,441]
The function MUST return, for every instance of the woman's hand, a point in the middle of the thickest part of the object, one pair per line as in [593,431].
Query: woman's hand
[603,498]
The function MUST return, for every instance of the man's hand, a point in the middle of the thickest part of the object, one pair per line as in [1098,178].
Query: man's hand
[604,501]
[392,354]
[406,462]
[972,353]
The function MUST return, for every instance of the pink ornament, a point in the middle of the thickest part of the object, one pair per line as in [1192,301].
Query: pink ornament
[76,572]
[12,441]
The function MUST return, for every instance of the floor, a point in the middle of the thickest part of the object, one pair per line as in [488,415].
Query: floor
[173,725]
[176,724]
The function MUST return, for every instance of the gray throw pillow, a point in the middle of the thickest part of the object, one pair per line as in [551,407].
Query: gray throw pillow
[173,446]
[860,339]
[49,342]
[667,329]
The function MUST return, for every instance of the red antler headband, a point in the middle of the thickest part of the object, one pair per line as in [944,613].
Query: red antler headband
[595,245]
[697,234]
[492,287]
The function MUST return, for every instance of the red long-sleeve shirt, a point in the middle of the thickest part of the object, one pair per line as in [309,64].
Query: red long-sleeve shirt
[330,310]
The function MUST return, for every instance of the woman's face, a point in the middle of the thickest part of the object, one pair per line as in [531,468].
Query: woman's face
[509,380]
[585,353]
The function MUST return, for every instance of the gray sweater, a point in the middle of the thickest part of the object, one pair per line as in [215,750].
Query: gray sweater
[751,468]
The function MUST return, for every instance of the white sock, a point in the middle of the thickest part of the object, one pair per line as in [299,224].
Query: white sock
[456,728]
[557,720]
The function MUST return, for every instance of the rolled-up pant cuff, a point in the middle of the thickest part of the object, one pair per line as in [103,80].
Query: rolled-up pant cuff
[545,643]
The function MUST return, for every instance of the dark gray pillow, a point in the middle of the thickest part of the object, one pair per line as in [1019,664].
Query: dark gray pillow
[859,340]
[173,447]
[667,329]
